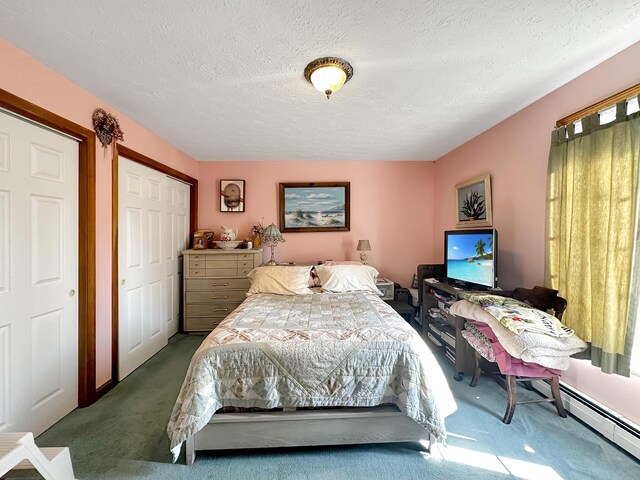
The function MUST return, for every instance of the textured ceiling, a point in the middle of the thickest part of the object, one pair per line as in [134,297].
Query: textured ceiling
[223,80]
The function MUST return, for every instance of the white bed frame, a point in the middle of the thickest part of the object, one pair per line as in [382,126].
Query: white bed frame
[291,428]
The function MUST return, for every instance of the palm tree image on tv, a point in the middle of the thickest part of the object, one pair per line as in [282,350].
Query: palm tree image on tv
[470,258]
[473,206]
[481,254]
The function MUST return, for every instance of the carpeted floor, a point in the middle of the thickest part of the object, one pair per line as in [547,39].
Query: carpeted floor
[122,436]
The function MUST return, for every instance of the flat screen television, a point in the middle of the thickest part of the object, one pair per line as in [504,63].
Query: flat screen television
[470,258]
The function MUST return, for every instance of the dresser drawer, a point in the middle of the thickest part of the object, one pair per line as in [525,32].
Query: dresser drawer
[210,309]
[196,256]
[215,263]
[196,264]
[217,284]
[194,324]
[216,296]
[221,272]
[245,264]
[197,272]
[224,257]
[244,271]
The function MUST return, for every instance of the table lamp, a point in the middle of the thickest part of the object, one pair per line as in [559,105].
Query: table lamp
[363,247]
[272,237]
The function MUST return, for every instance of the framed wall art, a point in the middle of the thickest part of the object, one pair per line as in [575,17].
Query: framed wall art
[232,195]
[473,203]
[315,207]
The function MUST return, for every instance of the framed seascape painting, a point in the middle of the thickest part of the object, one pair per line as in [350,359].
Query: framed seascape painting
[314,207]
[232,193]
[473,203]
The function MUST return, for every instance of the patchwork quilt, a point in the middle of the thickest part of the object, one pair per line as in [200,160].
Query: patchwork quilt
[323,350]
[517,316]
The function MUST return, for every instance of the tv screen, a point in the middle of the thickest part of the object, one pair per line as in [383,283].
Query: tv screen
[471,257]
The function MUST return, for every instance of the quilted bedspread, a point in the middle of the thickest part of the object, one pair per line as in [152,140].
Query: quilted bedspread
[321,350]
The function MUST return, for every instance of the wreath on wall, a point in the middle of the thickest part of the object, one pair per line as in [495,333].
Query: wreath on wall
[106,127]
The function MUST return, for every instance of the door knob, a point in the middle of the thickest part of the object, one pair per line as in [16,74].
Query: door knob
[122,282]
[72,293]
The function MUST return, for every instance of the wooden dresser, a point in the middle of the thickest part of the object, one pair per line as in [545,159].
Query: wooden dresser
[215,283]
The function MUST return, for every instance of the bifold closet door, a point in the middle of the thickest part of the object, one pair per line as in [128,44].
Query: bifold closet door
[38,276]
[176,240]
[153,212]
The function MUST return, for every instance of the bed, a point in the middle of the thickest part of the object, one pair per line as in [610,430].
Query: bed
[309,368]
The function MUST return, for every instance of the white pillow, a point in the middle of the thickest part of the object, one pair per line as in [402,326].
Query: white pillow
[348,278]
[280,280]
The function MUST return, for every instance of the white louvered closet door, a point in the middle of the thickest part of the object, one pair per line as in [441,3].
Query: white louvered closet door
[38,276]
[153,212]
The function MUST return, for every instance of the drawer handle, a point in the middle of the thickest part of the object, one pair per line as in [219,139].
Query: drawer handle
[220,284]
[220,309]
[215,298]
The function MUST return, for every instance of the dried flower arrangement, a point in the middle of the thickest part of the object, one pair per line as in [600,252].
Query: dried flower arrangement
[106,127]
[258,229]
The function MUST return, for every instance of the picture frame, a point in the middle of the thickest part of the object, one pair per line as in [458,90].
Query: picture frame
[315,207]
[199,242]
[207,234]
[473,203]
[232,195]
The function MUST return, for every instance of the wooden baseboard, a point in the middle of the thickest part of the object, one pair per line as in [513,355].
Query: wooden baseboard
[105,388]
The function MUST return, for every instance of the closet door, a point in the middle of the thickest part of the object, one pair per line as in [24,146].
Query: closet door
[176,240]
[38,276]
[142,329]
[153,222]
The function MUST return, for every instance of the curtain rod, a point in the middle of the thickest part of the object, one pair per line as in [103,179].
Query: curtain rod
[607,102]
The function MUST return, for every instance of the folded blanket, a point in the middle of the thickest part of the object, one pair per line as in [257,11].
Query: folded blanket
[545,350]
[507,364]
[517,316]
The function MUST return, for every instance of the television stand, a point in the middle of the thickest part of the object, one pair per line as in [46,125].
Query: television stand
[443,330]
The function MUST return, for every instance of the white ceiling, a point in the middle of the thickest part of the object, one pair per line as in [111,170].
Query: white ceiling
[223,80]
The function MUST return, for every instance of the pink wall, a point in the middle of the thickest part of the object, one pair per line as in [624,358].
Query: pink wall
[391,205]
[25,77]
[515,153]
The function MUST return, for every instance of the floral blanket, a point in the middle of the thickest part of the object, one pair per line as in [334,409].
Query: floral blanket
[322,350]
[517,316]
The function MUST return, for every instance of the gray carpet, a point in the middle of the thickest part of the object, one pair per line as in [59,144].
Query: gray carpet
[122,436]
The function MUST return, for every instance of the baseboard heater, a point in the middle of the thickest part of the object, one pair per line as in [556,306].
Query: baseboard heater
[608,423]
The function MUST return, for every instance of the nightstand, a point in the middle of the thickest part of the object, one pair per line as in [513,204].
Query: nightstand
[386,287]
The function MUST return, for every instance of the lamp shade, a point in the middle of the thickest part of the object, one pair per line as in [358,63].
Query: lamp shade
[363,246]
[272,235]
[329,78]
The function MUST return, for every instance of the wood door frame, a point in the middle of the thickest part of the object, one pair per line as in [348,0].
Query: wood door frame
[115,276]
[87,390]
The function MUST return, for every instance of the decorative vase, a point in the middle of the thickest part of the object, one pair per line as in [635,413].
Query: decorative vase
[257,241]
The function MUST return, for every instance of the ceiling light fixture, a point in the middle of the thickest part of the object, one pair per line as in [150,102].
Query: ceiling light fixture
[328,74]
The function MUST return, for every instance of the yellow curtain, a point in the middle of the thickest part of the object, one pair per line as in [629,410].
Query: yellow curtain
[592,201]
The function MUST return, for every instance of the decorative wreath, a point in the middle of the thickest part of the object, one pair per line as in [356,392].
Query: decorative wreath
[106,127]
